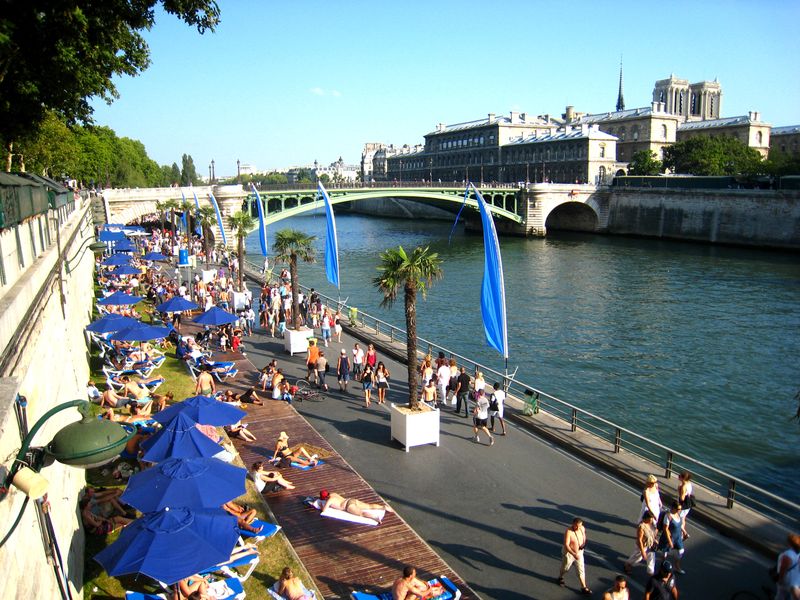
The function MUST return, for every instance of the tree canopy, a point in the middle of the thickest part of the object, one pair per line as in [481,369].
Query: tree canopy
[645,162]
[713,156]
[56,56]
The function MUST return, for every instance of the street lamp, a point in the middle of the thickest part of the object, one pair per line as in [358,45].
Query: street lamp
[209,174]
[238,171]
[213,172]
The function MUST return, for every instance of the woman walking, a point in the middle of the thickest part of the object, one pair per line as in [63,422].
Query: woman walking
[382,381]
[367,382]
[686,498]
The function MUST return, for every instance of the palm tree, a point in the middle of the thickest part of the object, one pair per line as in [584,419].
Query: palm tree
[289,245]
[187,206]
[241,224]
[172,205]
[162,209]
[208,218]
[416,273]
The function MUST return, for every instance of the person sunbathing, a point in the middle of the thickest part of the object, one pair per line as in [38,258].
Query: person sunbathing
[136,389]
[94,521]
[263,478]
[111,399]
[138,414]
[369,510]
[244,516]
[246,397]
[239,430]
[290,587]
[284,456]
[408,587]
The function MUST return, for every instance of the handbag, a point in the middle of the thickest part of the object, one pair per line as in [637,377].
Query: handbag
[493,406]
[689,502]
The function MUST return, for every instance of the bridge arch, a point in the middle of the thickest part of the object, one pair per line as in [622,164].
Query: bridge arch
[572,216]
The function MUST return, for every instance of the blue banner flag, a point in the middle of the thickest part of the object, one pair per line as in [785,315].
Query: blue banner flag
[458,216]
[183,217]
[331,243]
[262,224]
[219,217]
[197,229]
[493,292]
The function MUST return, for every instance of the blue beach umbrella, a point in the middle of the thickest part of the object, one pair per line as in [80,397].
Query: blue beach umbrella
[111,236]
[201,409]
[126,270]
[117,260]
[180,438]
[185,482]
[124,246]
[155,256]
[171,544]
[215,316]
[140,332]
[111,322]
[176,304]
[119,299]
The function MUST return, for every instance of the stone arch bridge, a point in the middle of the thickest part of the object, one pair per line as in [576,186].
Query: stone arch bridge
[526,211]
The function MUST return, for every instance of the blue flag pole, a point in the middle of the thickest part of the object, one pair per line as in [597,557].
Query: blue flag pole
[262,224]
[219,218]
[493,293]
[331,243]
[184,220]
[197,229]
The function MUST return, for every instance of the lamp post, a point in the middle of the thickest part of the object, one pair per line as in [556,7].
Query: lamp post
[213,172]
[238,171]
[209,173]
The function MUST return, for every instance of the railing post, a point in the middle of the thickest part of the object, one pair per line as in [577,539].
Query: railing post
[391,335]
[617,440]
[731,492]
[668,471]
[574,421]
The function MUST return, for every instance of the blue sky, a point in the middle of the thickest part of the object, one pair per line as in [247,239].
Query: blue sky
[285,83]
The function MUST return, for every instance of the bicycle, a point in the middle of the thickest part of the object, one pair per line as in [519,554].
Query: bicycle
[305,391]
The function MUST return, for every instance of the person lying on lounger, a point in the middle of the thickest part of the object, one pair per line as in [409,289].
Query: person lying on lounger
[111,399]
[138,414]
[136,389]
[264,479]
[284,456]
[244,515]
[239,430]
[408,587]
[247,397]
[369,510]
[291,587]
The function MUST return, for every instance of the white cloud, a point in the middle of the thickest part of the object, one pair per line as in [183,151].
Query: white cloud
[336,93]
[318,91]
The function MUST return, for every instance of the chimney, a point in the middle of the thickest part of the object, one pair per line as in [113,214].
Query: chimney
[569,114]
[523,117]
[440,127]
[514,117]
[490,118]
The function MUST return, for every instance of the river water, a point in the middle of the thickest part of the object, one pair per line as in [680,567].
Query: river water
[691,345]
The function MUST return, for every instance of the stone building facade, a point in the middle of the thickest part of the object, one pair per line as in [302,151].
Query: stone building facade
[748,129]
[786,139]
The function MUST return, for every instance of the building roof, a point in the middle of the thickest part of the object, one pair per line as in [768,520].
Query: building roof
[618,115]
[562,135]
[484,122]
[786,130]
[712,123]
[15,180]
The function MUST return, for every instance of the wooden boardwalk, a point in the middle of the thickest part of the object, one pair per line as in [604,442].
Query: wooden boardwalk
[340,556]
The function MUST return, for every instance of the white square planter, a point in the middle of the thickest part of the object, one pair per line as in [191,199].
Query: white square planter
[296,340]
[415,429]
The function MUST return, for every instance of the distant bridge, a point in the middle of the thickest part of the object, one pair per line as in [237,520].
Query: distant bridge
[519,211]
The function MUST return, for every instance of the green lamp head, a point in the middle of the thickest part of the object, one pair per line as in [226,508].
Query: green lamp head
[89,442]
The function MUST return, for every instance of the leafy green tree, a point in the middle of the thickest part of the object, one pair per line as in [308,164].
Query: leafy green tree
[187,207]
[207,220]
[241,223]
[712,156]
[188,172]
[52,151]
[782,163]
[174,174]
[291,244]
[415,274]
[275,178]
[645,162]
[56,56]
[304,176]
[162,209]
[172,205]
[324,179]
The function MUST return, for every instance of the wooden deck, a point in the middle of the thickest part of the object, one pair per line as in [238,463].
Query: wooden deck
[340,556]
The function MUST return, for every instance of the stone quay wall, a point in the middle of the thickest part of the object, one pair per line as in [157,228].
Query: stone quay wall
[45,359]
[741,217]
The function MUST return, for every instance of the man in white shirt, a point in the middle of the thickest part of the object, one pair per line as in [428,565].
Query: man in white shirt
[358,361]
[442,381]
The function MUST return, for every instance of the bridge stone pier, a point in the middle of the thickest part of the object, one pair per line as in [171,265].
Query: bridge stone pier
[128,205]
[566,207]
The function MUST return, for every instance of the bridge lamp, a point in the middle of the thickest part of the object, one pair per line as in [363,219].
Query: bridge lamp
[93,245]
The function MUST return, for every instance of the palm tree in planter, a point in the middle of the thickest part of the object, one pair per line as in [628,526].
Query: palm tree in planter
[415,273]
[241,224]
[172,205]
[207,220]
[290,245]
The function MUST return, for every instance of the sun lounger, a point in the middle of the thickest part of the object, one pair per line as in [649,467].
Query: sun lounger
[341,515]
[227,588]
[297,465]
[273,591]
[144,596]
[249,562]
[267,530]
[450,592]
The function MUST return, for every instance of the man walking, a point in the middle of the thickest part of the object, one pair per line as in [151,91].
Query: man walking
[462,390]
[358,361]
[572,553]
[646,538]
[481,418]
[662,586]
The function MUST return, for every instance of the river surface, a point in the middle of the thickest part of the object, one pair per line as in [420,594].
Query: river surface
[691,345]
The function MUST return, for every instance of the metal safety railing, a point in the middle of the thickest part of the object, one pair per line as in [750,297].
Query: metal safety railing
[531,400]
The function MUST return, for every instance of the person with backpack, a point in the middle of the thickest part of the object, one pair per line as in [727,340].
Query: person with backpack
[788,571]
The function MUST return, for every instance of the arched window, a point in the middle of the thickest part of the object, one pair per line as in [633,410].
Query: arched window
[635,132]
[664,132]
[622,134]
[759,138]
[602,174]
[602,151]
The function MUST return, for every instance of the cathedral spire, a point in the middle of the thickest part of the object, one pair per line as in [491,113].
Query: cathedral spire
[620,98]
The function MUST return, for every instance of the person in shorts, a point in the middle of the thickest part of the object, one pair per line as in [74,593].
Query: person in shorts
[480,415]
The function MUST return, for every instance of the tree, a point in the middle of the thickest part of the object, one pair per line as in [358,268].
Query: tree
[645,162]
[56,56]
[172,205]
[712,156]
[782,163]
[324,179]
[187,207]
[207,220]
[241,224]
[290,245]
[188,172]
[162,209]
[52,151]
[174,174]
[415,273]
[303,176]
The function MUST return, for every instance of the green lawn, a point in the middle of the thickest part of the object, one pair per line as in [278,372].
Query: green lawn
[275,552]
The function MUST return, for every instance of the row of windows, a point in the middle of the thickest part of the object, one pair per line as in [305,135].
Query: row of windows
[466,141]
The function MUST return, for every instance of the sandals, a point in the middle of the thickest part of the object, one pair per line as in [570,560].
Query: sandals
[561,582]
[586,591]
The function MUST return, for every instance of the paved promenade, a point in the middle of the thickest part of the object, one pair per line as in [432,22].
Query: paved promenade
[497,515]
